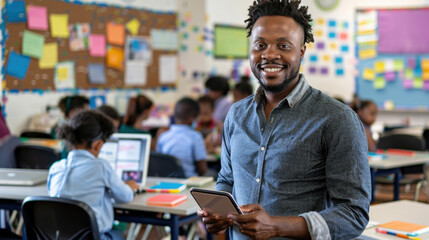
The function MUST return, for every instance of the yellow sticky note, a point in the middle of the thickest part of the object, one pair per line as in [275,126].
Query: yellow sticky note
[398,65]
[379,67]
[409,73]
[368,74]
[319,33]
[115,58]
[62,73]
[59,25]
[310,45]
[50,56]
[425,64]
[326,58]
[133,26]
[379,83]
[418,83]
[425,75]
[367,53]
[333,46]
[320,21]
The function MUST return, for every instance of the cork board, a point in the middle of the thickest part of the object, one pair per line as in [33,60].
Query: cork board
[97,16]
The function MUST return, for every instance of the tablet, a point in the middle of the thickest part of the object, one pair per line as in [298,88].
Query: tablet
[218,202]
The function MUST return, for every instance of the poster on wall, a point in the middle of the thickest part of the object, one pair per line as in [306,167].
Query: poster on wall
[138,56]
[79,35]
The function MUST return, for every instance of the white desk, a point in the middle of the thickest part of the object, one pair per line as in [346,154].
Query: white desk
[404,210]
[11,198]
[393,162]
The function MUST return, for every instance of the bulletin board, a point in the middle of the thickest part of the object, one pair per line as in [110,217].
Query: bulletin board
[393,67]
[98,17]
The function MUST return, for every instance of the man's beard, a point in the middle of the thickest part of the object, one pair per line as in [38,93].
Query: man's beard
[283,85]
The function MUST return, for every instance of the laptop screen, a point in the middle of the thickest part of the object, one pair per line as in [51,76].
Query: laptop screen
[128,154]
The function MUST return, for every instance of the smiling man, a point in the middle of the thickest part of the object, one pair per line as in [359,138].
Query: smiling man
[294,158]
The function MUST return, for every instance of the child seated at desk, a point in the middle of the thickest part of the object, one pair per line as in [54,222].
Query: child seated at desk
[184,142]
[83,176]
[367,112]
[138,110]
[207,125]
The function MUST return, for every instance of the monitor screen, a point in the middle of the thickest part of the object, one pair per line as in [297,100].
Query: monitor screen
[128,154]
[230,42]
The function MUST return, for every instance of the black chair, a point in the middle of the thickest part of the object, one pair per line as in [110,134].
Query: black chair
[58,218]
[35,157]
[34,134]
[163,165]
[426,138]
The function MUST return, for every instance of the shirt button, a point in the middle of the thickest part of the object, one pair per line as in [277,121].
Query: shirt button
[257,179]
[262,129]
[262,148]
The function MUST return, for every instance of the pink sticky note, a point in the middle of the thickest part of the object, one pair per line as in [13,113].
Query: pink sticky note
[97,45]
[408,84]
[37,18]
[389,76]
[343,36]
[426,85]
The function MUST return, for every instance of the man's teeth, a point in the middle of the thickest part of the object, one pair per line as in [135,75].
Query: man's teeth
[272,69]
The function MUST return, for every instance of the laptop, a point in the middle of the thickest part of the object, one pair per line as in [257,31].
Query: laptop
[128,154]
[22,177]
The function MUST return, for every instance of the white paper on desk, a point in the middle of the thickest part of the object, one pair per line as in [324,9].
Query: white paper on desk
[168,69]
[135,73]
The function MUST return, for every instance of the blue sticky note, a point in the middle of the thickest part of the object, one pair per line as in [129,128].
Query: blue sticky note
[313,58]
[15,11]
[96,73]
[332,23]
[344,48]
[17,65]
[332,35]
[345,25]
[339,72]
[96,101]
[338,60]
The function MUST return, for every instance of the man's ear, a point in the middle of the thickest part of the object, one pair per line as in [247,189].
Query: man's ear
[302,50]
[97,145]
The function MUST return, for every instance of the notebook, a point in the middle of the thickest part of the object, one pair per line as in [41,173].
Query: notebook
[198,181]
[167,187]
[22,177]
[406,228]
[168,200]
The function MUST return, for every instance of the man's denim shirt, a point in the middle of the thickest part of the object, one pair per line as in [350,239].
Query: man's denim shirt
[309,158]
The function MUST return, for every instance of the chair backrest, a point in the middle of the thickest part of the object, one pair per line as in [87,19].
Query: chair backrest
[34,134]
[7,148]
[426,138]
[35,157]
[164,165]
[401,141]
[58,218]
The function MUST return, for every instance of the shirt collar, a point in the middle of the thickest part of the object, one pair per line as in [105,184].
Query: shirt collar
[291,99]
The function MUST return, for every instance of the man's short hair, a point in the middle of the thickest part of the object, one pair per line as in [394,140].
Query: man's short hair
[287,8]
[218,83]
[186,108]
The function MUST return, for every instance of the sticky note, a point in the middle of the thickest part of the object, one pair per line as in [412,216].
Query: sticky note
[15,11]
[62,73]
[320,21]
[425,76]
[389,65]
[37,18]
[343,36]
[133,26]
[345,25]
[332,35]
[367,53]
[313,58]
[32,44]
[319,33]
[338,59]
[333,46]
[332,23]
[408,84]
[344,48]
[59,25]
[96,73]
[326,58]
[390,76]
[50,56]
[409,73]
[368,74]
[418,83]
[97,45]
[115,34]
[398,65]
[310,45]
[339,72]
[411,63]
[379,66]
[320,45]
[17,65]
[426,85]
[115,58]
[425,64]
[324,71]
[379,83]
[312,70]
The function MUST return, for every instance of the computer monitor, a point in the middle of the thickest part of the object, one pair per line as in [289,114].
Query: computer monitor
[128,154]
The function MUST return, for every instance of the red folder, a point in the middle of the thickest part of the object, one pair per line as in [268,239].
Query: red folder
[168,200]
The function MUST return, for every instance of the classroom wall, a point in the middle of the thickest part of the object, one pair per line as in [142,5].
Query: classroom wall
[19,106]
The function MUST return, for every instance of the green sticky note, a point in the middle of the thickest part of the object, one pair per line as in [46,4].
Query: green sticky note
[32,44]
[398,65]
[409,73]
[379,83]
[418,83]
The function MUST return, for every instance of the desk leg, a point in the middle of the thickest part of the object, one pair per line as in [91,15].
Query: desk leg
[174,226]
[372,185]
[396,190]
